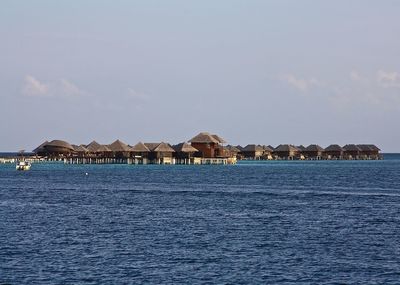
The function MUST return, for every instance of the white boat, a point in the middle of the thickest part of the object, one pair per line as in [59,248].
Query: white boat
[23,165]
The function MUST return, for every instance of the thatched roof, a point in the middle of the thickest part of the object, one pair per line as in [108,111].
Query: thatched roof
[93,146]
[334,147]
[205,137]
[80,148]
[40,148]
[103,148]
[253,147]
[351,147]
[119,146]
[60,144]
[151,146]
[184,147]
[239,147]
[368,147]
[285,148]
[267,148]
[271,147]
[314,148]
[232,148]
[140,147]
[164,147]
[374,147]
[301,147]
[159,147]
[218,138]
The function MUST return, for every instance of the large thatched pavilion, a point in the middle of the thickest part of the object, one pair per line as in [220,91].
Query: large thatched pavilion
[209,146]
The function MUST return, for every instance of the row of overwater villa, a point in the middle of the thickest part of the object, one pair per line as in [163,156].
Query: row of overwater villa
[204,148]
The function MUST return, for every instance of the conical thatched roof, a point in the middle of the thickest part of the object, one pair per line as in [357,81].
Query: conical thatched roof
[271,147]
[140,147]
[164,147]
[285,148]
[151,146]
[40,148]
[334,147]
[219,139]
[60,144]
[93,146]
[80,148]
[184,147]
[374,147]
[204,137]
[301,147]
[253,147]
[103,148]
[266,148]
[159,147]
[119,146]
[314,148]
[232,148]
[239,147]
[351,147]
[368,147]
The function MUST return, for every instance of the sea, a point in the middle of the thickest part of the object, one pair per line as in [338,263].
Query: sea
[257,222]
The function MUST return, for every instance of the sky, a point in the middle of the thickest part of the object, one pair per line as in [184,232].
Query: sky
[264,72]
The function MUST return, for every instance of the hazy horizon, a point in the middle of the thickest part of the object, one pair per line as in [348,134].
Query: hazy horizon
[263,72]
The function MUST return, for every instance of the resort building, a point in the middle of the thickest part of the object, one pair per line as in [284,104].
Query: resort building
[253,151]
[208,146]
[58,148]
[184,154]
[369,151]
[120,150]
[140,153]
[351,151]
[204,148]
[334,151]
[286,151]
[160,153]
[313,151]
[232,151]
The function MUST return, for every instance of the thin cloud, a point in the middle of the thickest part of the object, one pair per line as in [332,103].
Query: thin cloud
[355,76]
[299,83]
[367,90]
[388,79]
[139,97]
[67,88]
[60,88]
[33,87]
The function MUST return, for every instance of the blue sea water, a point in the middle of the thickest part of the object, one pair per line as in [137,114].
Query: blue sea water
[311,222]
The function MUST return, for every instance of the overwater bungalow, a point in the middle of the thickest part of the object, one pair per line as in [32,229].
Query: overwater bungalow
[253,151]
[160,153]
[80,150]
[286,151]
[93,146]
[334,151]
[58,148]
[209,146]
[268,152]
[40,151]
[351,151]
[140,153]
[184,154]
[369,151]
[233,151]
[313,151]
[301,148]
[120,150]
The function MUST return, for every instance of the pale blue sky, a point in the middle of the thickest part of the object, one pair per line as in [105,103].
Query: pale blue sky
[264,72]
